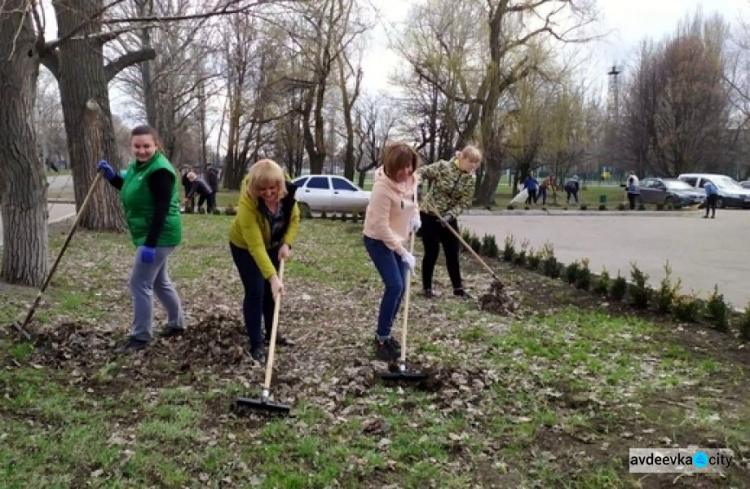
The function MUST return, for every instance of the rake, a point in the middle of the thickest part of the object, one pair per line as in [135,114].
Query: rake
[402,374]
[265,403]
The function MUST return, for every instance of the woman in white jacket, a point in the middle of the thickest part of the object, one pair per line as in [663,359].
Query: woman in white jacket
[392,214]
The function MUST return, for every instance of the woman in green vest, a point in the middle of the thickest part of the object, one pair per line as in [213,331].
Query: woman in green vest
[149,196]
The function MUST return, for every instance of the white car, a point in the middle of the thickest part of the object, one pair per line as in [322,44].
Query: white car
[731,193]
[330,193]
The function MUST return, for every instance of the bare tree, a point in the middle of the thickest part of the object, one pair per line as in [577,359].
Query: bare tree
[375,123]
[23,188]
[349,95]
[513,36]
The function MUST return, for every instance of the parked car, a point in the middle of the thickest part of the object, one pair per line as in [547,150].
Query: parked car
[670,191]
[330,193]
[731,193]
[745,184]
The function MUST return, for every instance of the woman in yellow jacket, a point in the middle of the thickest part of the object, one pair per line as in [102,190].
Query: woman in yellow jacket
[260,237]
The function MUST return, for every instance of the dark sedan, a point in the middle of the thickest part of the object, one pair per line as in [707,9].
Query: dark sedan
[670,191]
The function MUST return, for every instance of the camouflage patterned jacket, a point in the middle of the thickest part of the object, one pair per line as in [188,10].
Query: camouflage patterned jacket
[451,189]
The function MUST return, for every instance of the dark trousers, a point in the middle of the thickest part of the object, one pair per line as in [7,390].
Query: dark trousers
[258,300]
[433,234]
[532,197]
[393,272]
[543,194]
[569,193]
[711,204]
[632,198]
[212,201]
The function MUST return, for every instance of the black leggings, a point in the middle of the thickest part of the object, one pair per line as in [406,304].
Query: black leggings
[433,233]
[632,199]
[711,204]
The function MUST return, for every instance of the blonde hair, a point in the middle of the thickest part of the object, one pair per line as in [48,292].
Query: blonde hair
[398,156]
[262,174]
[470,152]
[191,176]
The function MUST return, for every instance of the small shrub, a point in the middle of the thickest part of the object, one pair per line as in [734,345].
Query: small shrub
[526,208]
[510,248]
[544,208]
[571,272]
[344,217]
[355,217]
[565,208]
[602,207]
[640,292]
[622,207]
[745,324]
[511,207]
[550,265]
[334,217]
[520,258]
[583,281]
[489,246]
[677,207]
[476,244]
[533,260]
[584,207]
[686,309]
[641,207]
[216,212]
[667,293]
[189,210]
[230,210]
[718,309]
[670,206]
[619,288]
[466,235]
[659,207]
[323,215]
[602,282]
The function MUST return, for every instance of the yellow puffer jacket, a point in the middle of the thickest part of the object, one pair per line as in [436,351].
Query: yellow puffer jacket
[251,230]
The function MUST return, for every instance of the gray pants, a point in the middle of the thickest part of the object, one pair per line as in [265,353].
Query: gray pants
[147,279]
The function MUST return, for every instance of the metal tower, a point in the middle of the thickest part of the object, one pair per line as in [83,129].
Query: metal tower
[613,95]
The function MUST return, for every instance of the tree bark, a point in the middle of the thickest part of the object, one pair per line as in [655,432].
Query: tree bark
[23,188]
[84,80]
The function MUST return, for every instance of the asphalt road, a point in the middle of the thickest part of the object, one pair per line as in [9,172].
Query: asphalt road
[701,252]
[57,212]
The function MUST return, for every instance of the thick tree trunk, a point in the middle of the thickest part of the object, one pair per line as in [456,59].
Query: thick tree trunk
[83,83]
[23,186]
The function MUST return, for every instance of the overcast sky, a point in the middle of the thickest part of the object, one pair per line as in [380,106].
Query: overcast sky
[627,21]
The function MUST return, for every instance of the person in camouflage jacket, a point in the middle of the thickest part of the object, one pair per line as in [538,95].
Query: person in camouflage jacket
[451,192]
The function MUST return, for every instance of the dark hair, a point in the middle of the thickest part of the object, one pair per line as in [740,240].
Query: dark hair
[146,130]
[397,156]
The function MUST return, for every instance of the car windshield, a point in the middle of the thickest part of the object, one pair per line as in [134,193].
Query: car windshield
[726,183]
[677,185]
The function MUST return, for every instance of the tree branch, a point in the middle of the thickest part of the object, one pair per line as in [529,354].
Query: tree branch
[128,59]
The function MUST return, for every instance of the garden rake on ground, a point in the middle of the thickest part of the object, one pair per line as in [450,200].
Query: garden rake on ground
[402,374]
[21,327]
[265,403]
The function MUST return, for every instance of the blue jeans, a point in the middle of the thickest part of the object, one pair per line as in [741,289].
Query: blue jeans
[258,302]
[393,272]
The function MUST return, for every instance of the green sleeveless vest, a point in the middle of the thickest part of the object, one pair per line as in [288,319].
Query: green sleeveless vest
[139,205]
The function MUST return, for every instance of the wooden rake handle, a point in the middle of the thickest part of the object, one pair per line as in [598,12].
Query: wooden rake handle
[407,289]
[274,327]
[457,235]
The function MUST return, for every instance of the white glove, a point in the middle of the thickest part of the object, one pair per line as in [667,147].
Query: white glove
[410,261]
[415,223]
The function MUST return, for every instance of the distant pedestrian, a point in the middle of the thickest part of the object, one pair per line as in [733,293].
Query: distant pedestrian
[187,185]
[633,189]
[571,189]
[197,187]
[712,195]
[531,185]
[212,179]
[547,183]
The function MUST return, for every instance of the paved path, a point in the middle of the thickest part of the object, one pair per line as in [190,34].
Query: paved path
[57,212]
[702,252]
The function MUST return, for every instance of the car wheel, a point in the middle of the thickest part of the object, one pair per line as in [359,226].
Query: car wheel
[304,210]
[720,203]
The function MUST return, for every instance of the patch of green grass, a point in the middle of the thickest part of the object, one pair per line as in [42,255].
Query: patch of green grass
[21,351]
